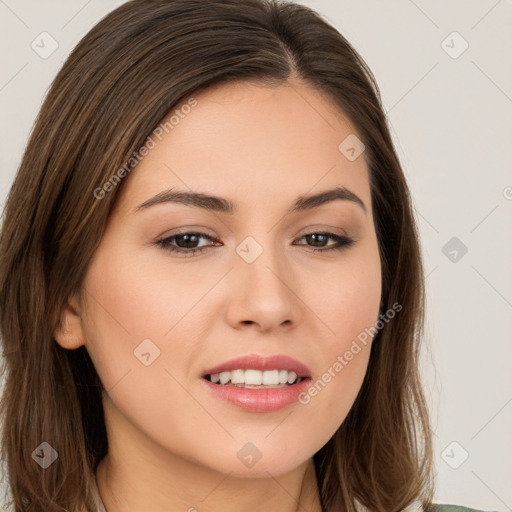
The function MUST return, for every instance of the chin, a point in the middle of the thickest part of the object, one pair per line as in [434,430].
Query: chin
[250,460]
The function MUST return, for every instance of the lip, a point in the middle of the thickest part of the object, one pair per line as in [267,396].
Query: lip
[259,400]
[257,362]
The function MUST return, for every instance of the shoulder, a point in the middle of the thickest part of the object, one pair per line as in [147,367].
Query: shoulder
[454,508]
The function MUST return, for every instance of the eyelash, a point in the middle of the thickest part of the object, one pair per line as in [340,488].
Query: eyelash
[343,242]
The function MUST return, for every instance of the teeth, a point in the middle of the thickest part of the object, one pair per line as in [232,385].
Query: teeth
[224,377]
[277,378]
[271,378]
[291,377]
[237,377]
[253,377]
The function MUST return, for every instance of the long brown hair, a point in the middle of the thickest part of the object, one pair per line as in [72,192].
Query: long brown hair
[121,80]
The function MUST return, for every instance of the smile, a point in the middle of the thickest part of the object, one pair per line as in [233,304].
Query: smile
[257,383]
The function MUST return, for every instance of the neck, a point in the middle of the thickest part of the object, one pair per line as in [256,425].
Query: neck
[138,475]
[146,488]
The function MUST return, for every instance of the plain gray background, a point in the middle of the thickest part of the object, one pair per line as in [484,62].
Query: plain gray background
[450,111]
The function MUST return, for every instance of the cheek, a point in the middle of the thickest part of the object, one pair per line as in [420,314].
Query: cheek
[347,301]
[129,312]
[124,309]
[142,330]
[133,298]
[346,295]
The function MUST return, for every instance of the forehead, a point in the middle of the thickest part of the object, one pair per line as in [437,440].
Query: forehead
[251,141]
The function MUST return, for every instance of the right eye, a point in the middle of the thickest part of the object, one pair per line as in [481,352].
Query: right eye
[185,242]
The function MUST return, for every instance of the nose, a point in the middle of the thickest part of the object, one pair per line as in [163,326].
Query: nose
[264,293]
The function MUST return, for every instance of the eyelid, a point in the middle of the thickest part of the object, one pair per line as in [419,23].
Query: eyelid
[315,228]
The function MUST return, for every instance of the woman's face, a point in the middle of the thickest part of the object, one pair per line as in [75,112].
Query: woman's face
[154,321]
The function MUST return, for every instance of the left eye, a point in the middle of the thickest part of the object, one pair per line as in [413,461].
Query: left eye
[342,241]
[185,243]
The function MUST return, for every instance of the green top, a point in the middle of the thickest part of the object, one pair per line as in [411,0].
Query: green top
[455,508]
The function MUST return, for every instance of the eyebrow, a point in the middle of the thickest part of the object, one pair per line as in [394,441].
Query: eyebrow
[222,205]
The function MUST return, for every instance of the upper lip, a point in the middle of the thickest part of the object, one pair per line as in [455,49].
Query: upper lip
[257,362]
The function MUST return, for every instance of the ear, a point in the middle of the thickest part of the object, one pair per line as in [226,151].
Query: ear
[70,334]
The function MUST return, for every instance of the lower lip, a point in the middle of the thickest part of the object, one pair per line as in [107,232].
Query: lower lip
[259,400]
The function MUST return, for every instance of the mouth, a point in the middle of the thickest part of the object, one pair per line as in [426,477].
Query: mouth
[258,384]
[256,379]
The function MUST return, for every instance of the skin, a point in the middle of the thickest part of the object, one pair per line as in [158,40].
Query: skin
[172,444]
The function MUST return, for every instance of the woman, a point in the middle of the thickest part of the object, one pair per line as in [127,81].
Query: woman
[211,290]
